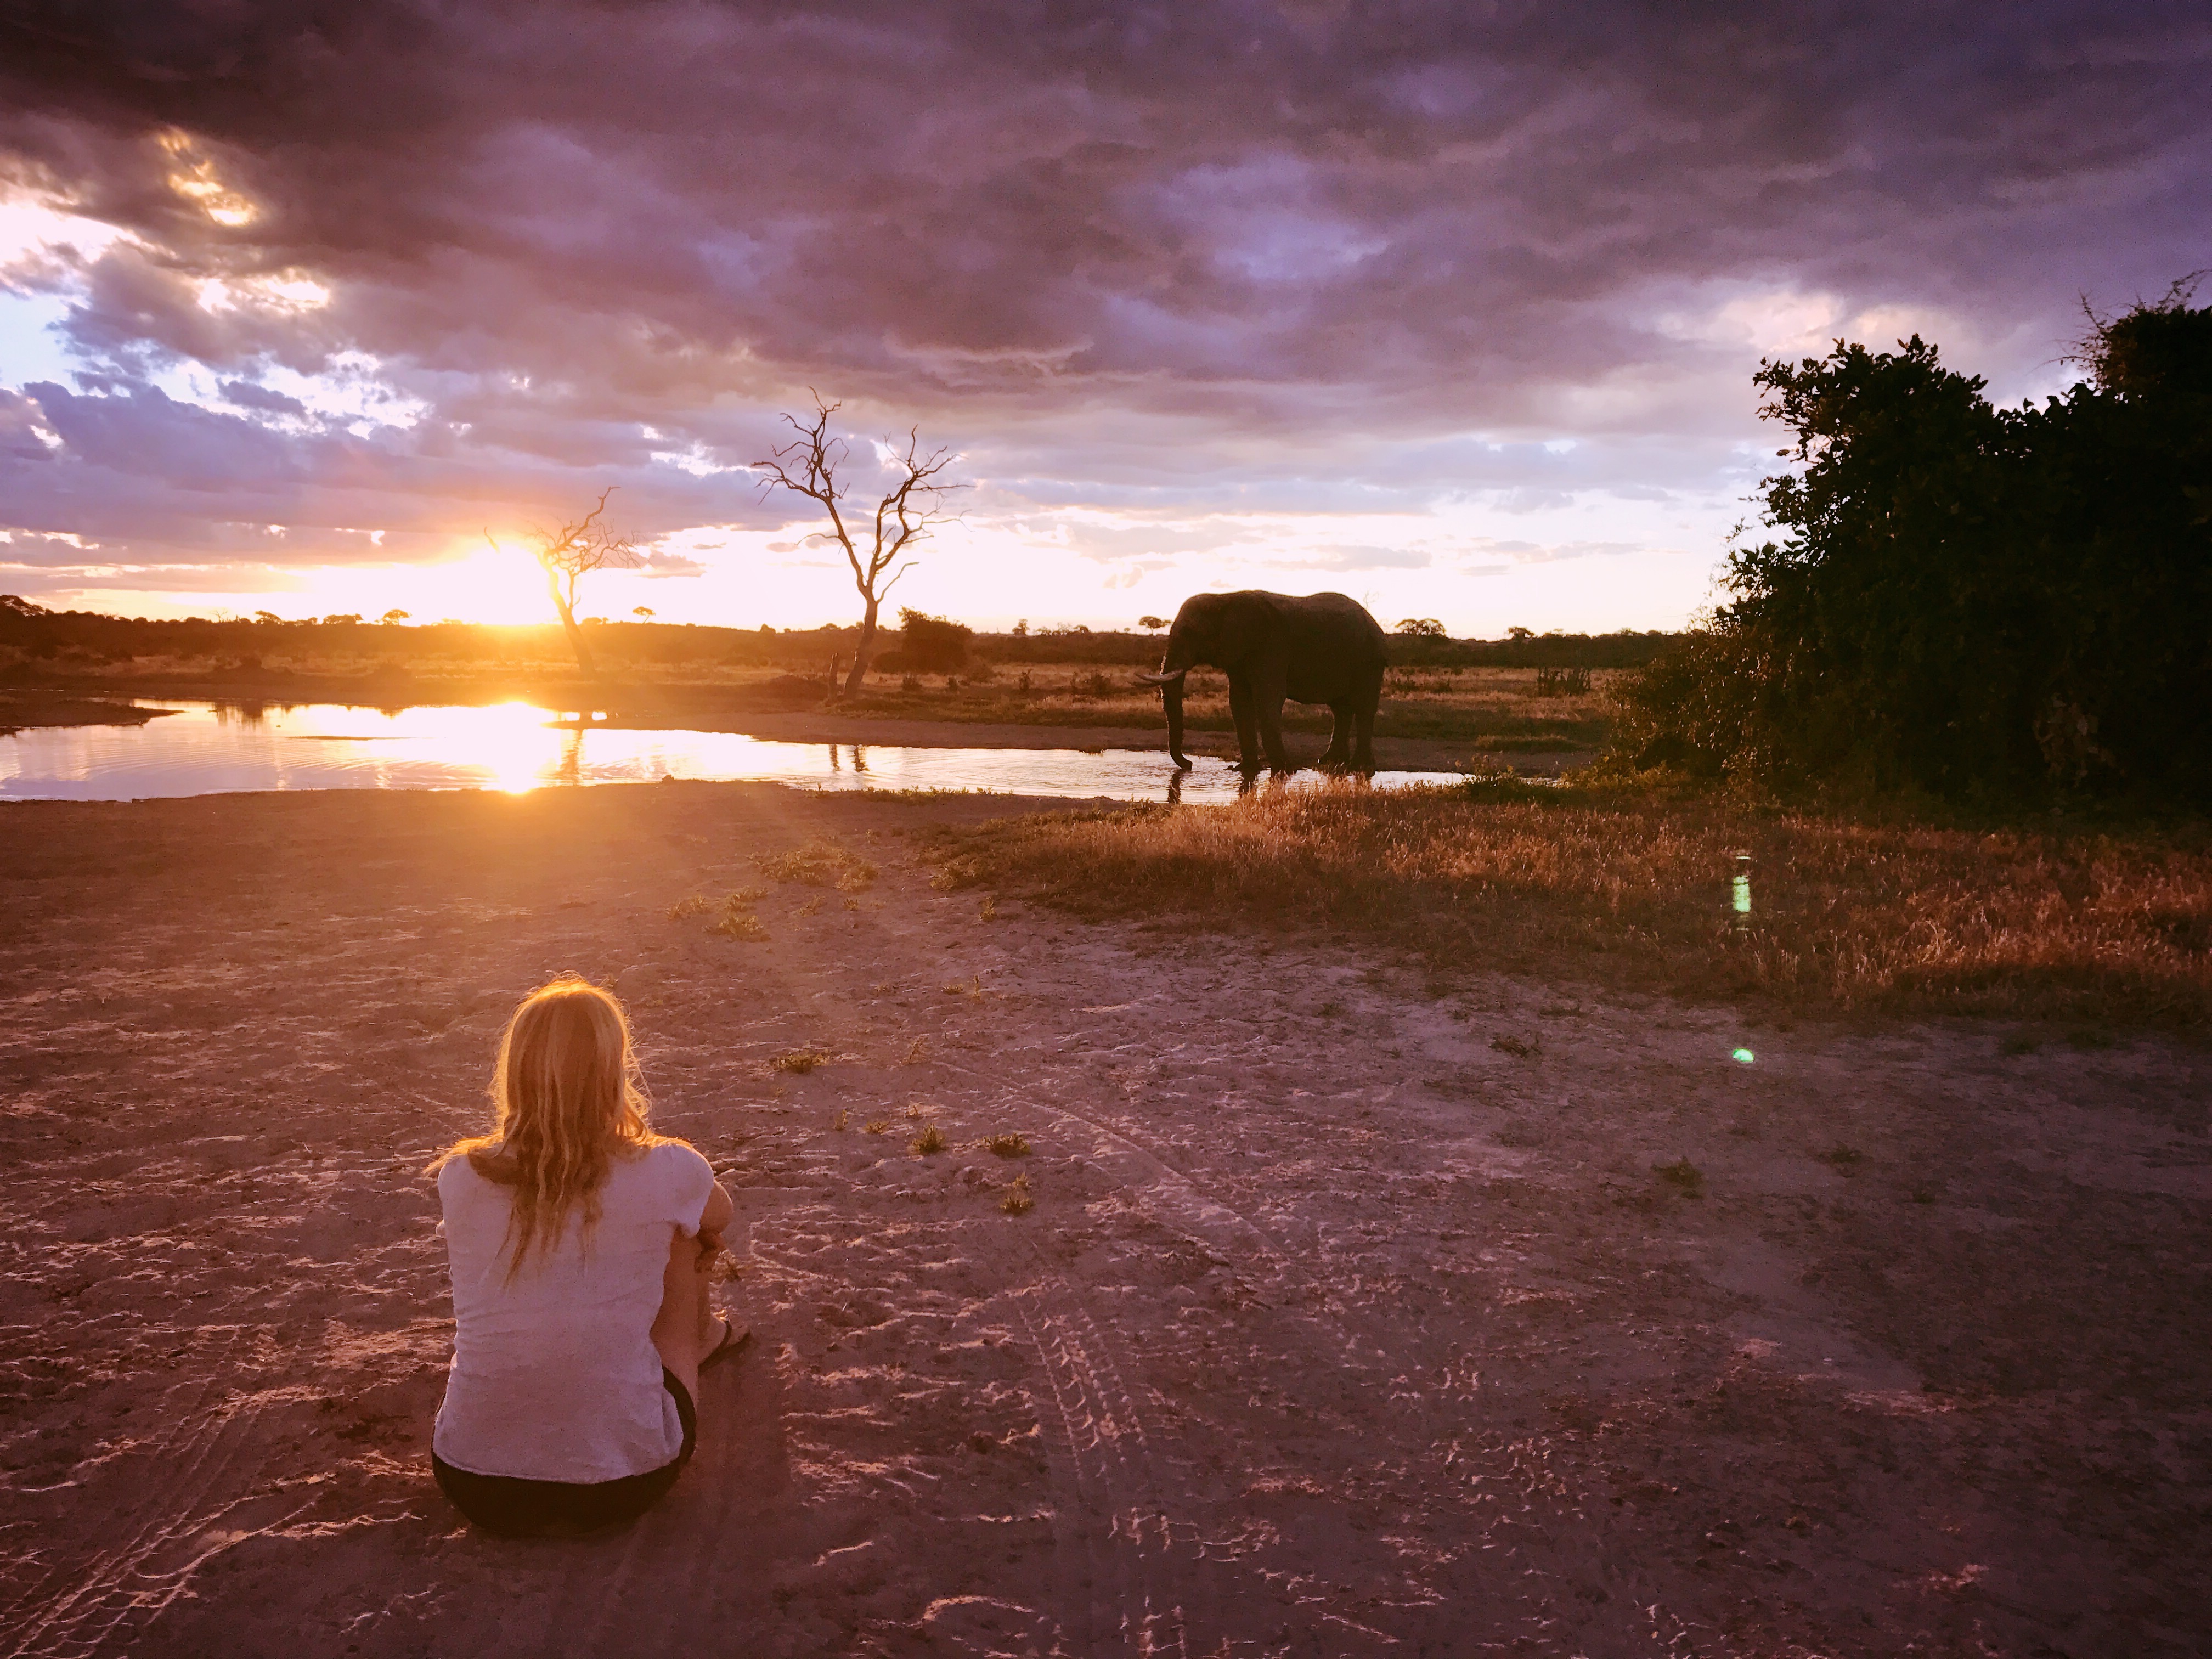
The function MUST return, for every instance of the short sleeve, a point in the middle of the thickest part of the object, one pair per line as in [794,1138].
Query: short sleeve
[686,1180]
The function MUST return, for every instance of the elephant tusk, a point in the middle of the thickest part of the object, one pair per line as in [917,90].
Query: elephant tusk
[1161,679]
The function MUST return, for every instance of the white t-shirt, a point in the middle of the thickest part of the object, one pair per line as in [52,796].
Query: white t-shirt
[555,1376]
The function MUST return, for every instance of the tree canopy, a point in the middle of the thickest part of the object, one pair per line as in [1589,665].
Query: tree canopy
[1966,599]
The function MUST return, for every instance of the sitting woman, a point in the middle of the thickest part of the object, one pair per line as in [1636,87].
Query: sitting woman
[581,1246]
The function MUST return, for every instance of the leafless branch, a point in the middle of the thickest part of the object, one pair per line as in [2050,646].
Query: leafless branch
[808,465]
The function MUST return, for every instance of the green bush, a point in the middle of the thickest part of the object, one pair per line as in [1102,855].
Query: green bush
[1966,600]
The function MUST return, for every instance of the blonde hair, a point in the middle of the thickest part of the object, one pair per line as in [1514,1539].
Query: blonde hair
[567,1102]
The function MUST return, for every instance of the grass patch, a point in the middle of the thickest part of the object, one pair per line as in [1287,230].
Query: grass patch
[819,864]
[1017,1199]
[1631,885]
[800,1061]
[931,1141]
[965,987]
[691,904]
[1007,1145]
[876,1126]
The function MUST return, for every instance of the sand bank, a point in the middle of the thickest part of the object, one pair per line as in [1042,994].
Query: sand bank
[1337,1329]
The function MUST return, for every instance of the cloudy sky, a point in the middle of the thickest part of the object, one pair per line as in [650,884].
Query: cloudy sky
[1452,307]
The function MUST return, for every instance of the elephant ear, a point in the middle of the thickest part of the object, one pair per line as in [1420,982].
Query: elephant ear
[1248,621]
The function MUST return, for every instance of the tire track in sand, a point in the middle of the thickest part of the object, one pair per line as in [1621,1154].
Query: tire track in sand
[170,1533]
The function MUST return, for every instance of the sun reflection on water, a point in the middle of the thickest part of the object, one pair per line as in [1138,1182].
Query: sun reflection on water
[515,748]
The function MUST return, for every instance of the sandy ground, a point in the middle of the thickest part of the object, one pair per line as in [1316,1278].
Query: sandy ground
[1335,1329]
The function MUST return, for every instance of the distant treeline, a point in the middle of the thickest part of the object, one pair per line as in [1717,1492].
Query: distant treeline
[34,638]
[1967,601]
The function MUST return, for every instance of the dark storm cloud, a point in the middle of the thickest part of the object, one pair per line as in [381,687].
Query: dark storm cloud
[1216,249]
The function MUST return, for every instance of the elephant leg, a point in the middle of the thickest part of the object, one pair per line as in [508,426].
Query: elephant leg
[1271,733]
[1241,711]
[1363,750]
[1339,735]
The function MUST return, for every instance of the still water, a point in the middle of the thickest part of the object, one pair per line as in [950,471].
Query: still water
[206,748]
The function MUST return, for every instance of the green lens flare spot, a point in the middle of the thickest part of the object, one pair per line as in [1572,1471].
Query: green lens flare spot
[1743,1056]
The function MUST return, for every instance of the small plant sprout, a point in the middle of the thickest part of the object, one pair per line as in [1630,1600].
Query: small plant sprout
[839,1122]
[1684,1176]
[929,1141]
[800,1061]
[690,904]
[915,1109]
[988,910]
[1011,1144]
[1017,1199]
[876,1126]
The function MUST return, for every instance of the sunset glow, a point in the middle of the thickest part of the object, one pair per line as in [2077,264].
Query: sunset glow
[1358,348]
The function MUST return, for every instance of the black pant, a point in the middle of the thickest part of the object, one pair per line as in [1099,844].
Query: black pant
[515,1508]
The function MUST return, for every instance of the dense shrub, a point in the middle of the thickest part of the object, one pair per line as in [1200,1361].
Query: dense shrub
[927,645]
[1966,601]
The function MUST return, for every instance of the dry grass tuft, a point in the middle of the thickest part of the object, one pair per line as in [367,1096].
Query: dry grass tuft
[1633,887]
[988,910]
[812,907]
[1519,1047]
[876,1126]
[930,1141]
[741,924]
[819,864]
[1011,1144]
[917,1052]
[691,904]
[1684,1176]
[1017,1199]
[840,1121]
[800,1061]
[965,987]
[916,1110]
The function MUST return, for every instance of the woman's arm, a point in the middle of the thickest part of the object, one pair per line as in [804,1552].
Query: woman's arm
[716,1216]
[719,1211]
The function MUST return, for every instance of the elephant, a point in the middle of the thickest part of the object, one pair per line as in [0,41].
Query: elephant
[1320,647]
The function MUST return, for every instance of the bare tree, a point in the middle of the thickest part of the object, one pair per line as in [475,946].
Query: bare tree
[808,465]
[569,552]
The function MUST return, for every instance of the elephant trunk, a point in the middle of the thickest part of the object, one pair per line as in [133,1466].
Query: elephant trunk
[1171,700]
